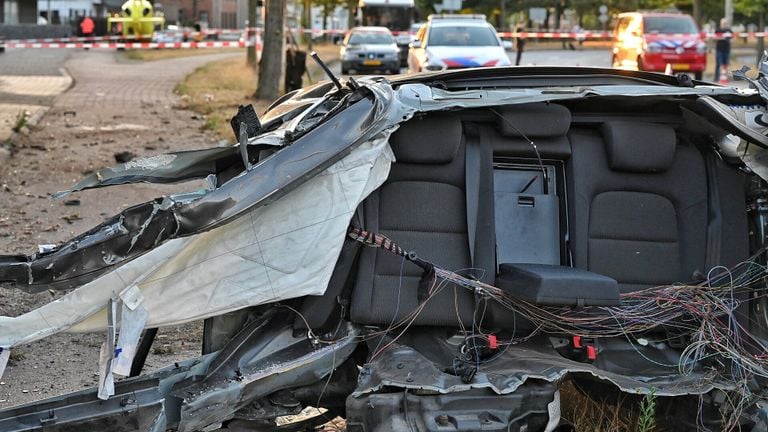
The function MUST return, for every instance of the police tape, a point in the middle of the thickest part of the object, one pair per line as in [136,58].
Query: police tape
[199,37]
[136,45]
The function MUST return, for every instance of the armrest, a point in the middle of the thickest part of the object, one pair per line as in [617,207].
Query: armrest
[557,285]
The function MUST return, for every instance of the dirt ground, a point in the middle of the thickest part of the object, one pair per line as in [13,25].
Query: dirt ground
[115,105]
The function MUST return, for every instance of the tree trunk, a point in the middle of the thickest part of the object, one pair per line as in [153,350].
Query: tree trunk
[697,12]
[251,32]
[351,6]
[761,39]
[503,13]
[307,23]
[271,64]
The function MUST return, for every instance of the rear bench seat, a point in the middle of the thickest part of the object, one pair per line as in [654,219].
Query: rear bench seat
[637,204]
[639,209]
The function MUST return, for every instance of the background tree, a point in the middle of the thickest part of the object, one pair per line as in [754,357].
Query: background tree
[754,9]
[271,64]
[329,6]
[251,51]
[351,9]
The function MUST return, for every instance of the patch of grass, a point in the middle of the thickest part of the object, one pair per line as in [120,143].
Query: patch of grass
[166,349]
[170,53]
[22,120]
[588,415]
[16,356]
[218,88]
[647,420]
[213,122]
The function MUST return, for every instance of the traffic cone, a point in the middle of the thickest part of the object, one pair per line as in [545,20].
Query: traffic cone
[668,69]
[723,75]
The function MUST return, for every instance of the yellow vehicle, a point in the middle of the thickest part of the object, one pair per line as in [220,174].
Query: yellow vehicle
[137,20]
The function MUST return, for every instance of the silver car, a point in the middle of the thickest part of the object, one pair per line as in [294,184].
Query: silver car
[369,49]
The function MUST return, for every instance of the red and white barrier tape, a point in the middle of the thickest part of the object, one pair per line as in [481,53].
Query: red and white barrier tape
[136,45]
[119,41]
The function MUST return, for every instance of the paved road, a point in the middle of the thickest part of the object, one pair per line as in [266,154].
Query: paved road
[598,58]
[26,62]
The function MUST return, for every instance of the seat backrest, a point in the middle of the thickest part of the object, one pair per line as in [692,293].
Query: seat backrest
[421,206]
[638,204]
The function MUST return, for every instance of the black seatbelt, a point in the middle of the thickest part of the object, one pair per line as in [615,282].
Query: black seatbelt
[472,167]
[714,214]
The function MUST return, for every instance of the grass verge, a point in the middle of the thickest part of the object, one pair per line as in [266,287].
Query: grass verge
[218,88]
[589,415]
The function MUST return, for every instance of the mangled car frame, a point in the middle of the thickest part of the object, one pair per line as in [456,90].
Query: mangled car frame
[434,252]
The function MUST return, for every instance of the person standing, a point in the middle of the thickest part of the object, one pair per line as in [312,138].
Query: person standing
[86,26]
[722,47]
[519,43]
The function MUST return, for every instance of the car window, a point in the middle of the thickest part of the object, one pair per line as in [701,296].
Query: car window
[462,36]
[681,24]
[376,38]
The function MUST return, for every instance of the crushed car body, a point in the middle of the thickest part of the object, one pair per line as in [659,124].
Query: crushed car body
[432,252]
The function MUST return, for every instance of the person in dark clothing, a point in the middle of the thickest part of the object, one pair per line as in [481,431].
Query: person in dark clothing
[722,47]
[519,43]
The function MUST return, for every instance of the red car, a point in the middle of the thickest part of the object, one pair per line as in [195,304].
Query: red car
[650,41]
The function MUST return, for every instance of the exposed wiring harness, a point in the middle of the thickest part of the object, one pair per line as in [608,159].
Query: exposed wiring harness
[706,312]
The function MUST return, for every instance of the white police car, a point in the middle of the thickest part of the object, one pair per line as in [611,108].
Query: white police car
[456,42]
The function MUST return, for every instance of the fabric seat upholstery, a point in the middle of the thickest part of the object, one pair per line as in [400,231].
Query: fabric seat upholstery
[421,206]
[638,204]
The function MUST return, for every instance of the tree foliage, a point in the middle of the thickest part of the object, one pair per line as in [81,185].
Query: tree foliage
[751,8]
[328,7]
[588,10]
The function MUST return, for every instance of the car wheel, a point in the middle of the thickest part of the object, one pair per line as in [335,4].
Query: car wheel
[395,71]
[699,75]
[344,71]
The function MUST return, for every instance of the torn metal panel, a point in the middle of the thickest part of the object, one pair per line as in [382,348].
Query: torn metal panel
[164,168]
[88,255]
[91,254]
[404,367]
[243,374]
[195,394]
[136,406]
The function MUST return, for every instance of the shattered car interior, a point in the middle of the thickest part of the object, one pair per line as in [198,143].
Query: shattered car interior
[434,252]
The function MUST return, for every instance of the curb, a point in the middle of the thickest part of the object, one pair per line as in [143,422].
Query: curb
[35,118]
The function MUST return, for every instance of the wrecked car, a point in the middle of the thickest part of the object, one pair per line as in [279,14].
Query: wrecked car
[432,252]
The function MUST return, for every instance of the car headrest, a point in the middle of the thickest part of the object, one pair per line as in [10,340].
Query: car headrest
[536,120]
[434,139]
[639,147]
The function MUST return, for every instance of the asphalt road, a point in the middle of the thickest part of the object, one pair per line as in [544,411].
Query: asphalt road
[35,62]
[598,58]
